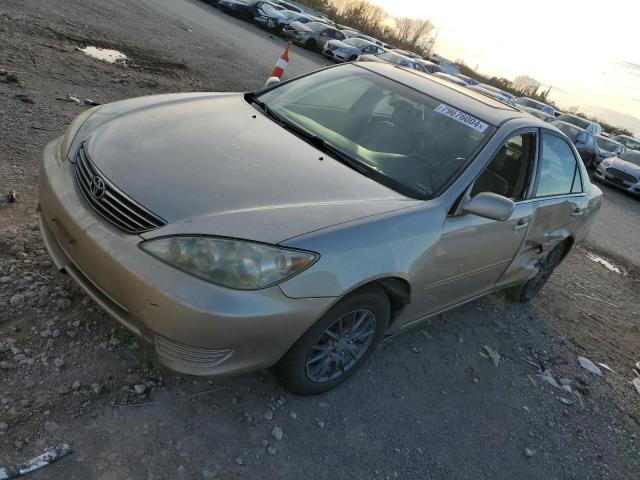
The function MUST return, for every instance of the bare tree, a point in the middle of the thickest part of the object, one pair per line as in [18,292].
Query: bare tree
[526,86]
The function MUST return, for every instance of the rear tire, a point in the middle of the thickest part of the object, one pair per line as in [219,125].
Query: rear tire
[310,44]
[352,58]
[530,289]
[337,345]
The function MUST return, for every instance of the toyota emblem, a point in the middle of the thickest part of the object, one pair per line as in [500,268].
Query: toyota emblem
[98,187]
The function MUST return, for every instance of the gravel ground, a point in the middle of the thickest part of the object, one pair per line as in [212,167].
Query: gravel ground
[430,404]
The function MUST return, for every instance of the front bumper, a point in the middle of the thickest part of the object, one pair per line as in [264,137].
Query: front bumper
[336,55]
[600,174]
[193,327]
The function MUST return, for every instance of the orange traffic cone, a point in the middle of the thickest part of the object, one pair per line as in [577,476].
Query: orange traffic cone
[281,64]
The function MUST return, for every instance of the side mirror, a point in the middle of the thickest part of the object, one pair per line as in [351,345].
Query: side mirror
[581,138]
[490,205]
[271,81]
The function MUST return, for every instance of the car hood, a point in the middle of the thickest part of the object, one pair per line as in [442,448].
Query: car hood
[213,164]
[628,167]
[341,45]
[371,58]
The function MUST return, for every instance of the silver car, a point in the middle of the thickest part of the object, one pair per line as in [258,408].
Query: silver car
[629,142]
[312,35]
[622,171]
[298,225]
[606,147]
[349,49]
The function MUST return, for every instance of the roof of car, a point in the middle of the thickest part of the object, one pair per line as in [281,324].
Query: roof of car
[473,103]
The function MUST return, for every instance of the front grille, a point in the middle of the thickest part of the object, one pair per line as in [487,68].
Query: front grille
[109,202]
[621,175]
[190,356]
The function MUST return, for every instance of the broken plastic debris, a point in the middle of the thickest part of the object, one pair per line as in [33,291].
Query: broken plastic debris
[589,365]
[36,463]
[566,401]
[495,356]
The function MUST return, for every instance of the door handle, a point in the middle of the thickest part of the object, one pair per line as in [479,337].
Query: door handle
[522,223]
[577,212]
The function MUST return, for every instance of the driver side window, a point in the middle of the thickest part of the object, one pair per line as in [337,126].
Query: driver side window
[509,172]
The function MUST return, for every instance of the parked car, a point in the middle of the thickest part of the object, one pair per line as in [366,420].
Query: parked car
[606,147]
[268,16]
[407,53]
[531,103]
[349,49]
[509,98]
[354,34]
[583,140]
[491,93]
[245,9]
[629,142]
[592,127]
[622,170]
[450,78]
[288,6]
[538,113]
[211,272]
[286,17]
[467,80]
[394,58]
[313,35]
[430,67]
[450,68]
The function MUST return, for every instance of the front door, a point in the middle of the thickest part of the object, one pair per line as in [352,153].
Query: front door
[474,251]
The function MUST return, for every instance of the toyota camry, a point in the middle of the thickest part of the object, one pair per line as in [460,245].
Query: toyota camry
[297,225]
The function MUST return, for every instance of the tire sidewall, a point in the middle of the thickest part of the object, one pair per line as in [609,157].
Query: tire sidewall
[291,369]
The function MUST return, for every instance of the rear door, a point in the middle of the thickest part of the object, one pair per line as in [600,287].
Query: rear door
[559,205]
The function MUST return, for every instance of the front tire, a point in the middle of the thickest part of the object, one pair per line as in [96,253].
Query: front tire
[310,44]
[337,345]
[531,288]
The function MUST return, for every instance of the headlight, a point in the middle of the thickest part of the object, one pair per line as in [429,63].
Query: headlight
[71,132]
[237,264]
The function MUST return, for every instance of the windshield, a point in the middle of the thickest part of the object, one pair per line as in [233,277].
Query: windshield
[606,144]
[291,15]
[356,42]
[581,122]
[630,143]
[569,130]
[317,26]
[534,112]
[402,138]
[391,57]
[528,103]
[632,156]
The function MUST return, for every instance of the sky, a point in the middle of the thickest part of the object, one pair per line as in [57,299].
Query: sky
[588,52]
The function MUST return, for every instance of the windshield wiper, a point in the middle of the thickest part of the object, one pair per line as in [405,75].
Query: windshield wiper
[314,140]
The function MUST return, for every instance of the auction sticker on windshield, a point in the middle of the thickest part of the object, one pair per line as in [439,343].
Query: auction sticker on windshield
[464,118]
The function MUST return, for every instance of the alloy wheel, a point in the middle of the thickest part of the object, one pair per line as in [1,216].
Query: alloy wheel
[341,346]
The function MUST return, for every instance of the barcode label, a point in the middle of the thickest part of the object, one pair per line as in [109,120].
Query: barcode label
[464,118]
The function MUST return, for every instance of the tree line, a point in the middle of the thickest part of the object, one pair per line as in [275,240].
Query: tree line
[407,33]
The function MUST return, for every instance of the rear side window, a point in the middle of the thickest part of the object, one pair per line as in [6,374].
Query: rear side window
[559,172]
